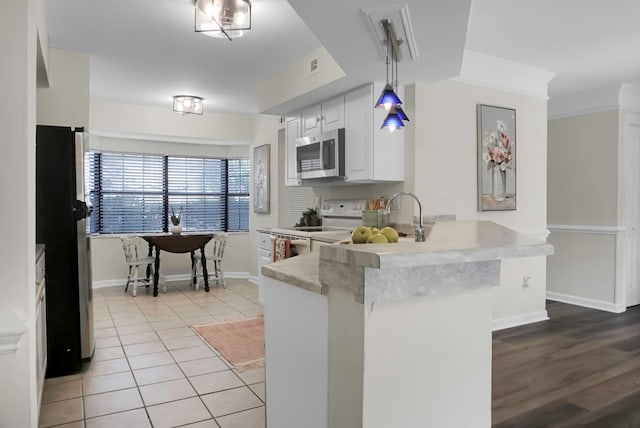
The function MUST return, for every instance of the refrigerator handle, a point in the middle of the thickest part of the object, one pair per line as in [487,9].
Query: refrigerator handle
[81,210]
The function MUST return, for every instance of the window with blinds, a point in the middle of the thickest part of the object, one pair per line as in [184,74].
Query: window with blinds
[133,193]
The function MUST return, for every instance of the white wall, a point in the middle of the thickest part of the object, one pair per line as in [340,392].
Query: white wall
[583,196]
[266,132]
[151,122]
[66,101]
[18,41]
[446,178]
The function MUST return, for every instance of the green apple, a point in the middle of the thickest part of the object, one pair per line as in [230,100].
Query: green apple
[360,235]
[390,233]
[378,238]
[374,230]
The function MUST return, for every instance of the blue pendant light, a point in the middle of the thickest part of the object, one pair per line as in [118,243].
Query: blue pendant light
[401,114]
[388,98]
[392,121]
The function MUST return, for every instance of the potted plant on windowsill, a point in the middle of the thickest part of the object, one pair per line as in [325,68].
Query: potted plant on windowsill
[175,221]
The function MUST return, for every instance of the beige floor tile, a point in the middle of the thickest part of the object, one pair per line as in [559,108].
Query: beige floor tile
[207,319]
[61,379]
[182,342]
[131,419]
[163,325]
[259,390]
[204,424]
[231,401]
[203,366]
[177,413]
[254,418]
[77,424]
[99,368]
[134,328]
[60,412]
[189,354]
[166,391]
[103,323]
[107,342]
[111,353]
[150,360]
[252,375]
[172,333]
[213,382]
[112,402]
[158,374]
[111,382]
[144,348]
[131,339]
[62,391]
[104,332]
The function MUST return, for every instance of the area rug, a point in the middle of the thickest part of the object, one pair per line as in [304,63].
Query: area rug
[240,342]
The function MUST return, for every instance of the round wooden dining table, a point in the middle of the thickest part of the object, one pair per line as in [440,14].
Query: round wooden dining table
[178,243]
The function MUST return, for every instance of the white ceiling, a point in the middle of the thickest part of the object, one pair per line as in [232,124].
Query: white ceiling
[146,51]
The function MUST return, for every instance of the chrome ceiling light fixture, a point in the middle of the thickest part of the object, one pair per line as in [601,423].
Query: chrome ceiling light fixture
[388,98]
[223,18]
[187,104]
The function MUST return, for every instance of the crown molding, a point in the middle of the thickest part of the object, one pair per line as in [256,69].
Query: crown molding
[485,70]
[613,97]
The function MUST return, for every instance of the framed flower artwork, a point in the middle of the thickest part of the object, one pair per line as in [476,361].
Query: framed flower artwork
[496,158]
[261,167]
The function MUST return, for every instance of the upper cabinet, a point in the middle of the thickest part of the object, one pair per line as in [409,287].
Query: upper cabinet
[373,154]
[292,132]
[323,117]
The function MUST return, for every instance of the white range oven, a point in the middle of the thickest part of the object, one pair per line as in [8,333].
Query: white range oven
[339,218]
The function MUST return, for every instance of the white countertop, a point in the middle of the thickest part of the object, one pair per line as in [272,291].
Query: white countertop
[449,243]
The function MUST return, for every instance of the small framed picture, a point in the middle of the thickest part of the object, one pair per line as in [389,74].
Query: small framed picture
[496,158]
[261,168]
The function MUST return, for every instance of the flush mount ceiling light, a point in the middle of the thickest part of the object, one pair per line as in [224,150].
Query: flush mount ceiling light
[389,99]
[223,18]
[187,104]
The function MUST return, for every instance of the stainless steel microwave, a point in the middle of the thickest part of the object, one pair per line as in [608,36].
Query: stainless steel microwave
[321,156]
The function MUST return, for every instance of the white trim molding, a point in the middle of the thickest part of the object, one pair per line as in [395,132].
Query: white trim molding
[13,327]
[166,278]
[613,97]
[518,320]
[587,229]
[484,70]
[586,302]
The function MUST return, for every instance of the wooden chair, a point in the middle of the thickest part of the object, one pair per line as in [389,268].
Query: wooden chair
[134,259]
[214,260]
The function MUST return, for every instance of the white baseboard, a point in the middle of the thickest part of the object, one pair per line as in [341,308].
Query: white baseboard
[518,320]
[166,278]
[253,279]
[586,302]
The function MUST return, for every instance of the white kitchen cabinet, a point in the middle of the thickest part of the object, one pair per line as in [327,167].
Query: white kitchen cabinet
[373,154]
[323,117]
[265,256]
[292,132]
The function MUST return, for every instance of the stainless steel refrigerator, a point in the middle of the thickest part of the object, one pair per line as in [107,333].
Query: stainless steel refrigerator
[61,216]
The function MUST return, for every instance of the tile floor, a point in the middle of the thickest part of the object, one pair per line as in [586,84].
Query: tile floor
[151,370]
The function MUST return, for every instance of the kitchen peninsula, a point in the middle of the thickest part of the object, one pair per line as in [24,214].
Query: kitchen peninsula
[387,334]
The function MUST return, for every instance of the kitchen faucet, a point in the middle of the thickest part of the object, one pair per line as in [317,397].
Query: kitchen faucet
[419,228]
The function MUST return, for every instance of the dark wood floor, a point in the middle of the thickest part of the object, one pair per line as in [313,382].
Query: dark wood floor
[580,368]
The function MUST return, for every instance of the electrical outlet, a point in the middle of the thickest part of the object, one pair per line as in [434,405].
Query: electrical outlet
[526,281]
